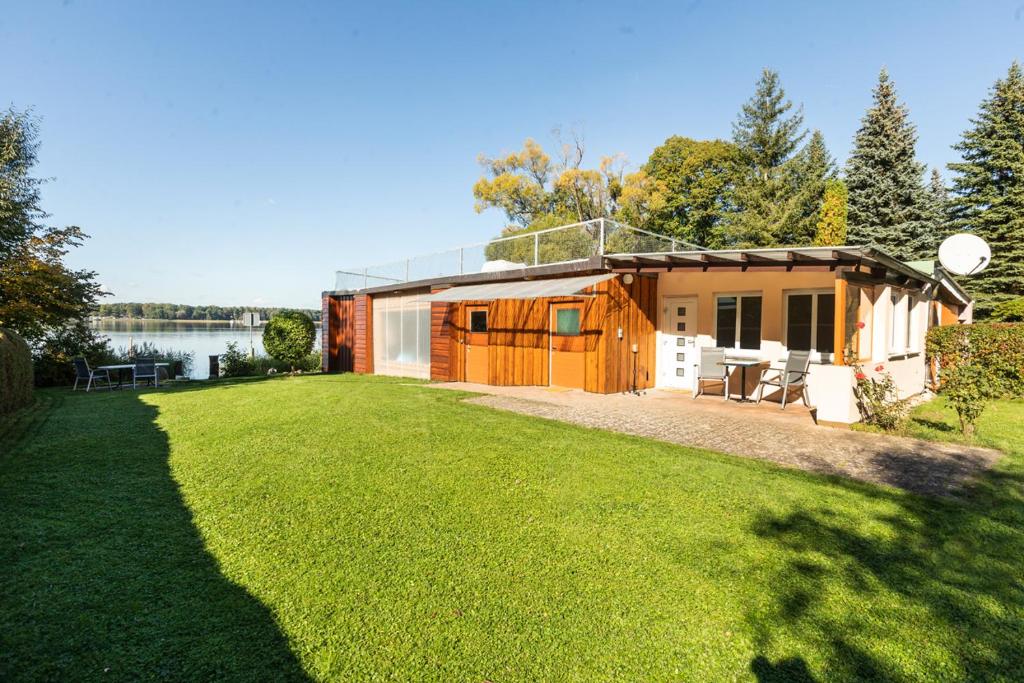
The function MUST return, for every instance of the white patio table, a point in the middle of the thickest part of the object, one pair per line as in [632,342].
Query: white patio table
[742,364]
[121,367]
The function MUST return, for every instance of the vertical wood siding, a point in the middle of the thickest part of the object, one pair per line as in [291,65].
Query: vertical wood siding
[362,346]
[519,338]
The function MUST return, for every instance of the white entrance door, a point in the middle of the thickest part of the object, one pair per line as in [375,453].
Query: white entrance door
[678,353]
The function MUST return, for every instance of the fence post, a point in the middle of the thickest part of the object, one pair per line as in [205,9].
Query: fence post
[601,248]
[462,259]
[673,245]
[536,249]
[407,269]
[366,279]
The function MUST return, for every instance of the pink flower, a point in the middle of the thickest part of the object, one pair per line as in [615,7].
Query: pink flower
[861,376]
[879,367]
[860,325]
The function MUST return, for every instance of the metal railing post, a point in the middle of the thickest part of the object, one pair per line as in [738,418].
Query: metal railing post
[407,269]
[462,260]
[601,247]
[536,249]
[366,280]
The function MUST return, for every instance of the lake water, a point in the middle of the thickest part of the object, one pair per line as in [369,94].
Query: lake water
[203,339]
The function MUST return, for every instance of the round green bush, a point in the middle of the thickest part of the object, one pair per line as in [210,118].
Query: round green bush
[15,372]
[289,337]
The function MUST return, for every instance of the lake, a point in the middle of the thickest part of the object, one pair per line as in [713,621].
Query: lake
[203,339]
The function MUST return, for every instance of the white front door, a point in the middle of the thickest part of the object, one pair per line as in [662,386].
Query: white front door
[678,352]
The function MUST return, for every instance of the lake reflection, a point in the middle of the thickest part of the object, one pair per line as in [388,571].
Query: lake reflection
[203,339]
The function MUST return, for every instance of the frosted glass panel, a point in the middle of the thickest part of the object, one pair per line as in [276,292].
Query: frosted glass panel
[401,336]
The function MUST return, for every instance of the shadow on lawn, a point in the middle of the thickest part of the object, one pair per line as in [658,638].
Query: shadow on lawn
[104,574]
[946,571]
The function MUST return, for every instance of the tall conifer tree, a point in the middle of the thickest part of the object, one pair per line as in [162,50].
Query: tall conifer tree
[886,203]
[936,215]
[988,189]
[767,135]
[813,168]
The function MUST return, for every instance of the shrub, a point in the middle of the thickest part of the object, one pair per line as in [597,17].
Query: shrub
[996,349]
[289,337]
[880,403]
[52,357]
[15,372]
[967,388]
[236,363]
[264,364]
[1011,311]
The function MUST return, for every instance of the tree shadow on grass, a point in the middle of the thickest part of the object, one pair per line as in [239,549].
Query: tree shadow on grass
[922,588]
[104,573]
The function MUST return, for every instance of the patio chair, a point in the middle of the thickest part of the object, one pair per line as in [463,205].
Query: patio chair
[90,376]
[145,368]
[792,376]
[712,370]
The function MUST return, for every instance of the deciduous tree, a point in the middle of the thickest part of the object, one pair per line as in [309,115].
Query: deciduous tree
[831,228]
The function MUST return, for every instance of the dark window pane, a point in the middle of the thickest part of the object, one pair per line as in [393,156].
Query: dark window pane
[681,310]
[798,322]
[826,323]
[750,323]
[725,334]
[681,327]
[567,321]
[478,321]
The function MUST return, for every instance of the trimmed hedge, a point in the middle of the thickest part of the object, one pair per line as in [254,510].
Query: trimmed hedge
[996,348]
[15,372]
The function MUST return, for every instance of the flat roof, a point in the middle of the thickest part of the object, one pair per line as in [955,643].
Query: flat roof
[704,259]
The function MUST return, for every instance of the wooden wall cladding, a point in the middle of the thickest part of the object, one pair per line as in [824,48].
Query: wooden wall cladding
[518,338]
[339,333]
[362,346]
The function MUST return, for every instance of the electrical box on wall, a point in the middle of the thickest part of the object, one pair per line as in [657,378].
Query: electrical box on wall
[620,333]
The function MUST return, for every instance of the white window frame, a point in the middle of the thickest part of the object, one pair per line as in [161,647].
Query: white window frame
[902,328]
[737,351]
[816,356]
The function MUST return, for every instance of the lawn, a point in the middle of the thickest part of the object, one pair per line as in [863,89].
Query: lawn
[341,527]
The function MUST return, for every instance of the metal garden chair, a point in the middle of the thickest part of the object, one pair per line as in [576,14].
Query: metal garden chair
[712,370]
[84,373]
[145,368]
[792,376]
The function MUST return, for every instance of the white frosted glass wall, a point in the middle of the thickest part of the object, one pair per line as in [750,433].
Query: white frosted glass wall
[401,336]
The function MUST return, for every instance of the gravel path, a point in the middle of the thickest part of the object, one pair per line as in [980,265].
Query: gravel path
[763,432]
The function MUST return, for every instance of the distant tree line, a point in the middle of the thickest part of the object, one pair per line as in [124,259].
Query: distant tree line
[157,311]
[774,183]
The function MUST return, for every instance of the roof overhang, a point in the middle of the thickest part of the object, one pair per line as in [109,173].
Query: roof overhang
[524,289]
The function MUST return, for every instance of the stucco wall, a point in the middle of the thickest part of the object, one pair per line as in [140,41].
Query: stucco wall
[830,387]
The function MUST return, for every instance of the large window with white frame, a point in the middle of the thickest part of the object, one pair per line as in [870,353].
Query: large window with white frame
[810,322]
[903,325]
[738,321]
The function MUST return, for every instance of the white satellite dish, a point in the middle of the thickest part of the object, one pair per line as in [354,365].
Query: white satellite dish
[499,265]
[964,254]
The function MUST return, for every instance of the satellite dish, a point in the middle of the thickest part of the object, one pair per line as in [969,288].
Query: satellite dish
[964,254]
[500,265]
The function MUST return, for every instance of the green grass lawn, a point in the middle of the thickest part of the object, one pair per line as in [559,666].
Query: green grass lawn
[340,528]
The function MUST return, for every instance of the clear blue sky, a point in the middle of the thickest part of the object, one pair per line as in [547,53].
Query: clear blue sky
[240,152]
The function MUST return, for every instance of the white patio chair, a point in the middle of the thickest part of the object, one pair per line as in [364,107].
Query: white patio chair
[711,369]
[793,375]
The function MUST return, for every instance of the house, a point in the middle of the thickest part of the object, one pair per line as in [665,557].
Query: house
[607,308]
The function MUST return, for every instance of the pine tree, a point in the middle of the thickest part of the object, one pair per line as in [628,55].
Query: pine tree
[988,190]
[767,136]
[884,179]
[936,215]
[813,169]
[831,227]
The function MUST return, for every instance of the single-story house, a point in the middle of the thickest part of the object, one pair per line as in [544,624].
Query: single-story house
[617,322]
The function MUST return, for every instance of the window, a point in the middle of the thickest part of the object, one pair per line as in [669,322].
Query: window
[810,322]
[401,336]
[478,321]
[738,322]
[901,321]
[567,322]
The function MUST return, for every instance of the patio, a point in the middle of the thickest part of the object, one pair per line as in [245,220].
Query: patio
[789,438]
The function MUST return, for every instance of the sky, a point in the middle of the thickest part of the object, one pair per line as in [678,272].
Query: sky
[238,153]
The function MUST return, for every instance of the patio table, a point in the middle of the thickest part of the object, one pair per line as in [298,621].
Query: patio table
[742,364]
[121,367]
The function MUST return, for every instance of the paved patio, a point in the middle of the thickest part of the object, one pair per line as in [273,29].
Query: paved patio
[789,438]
